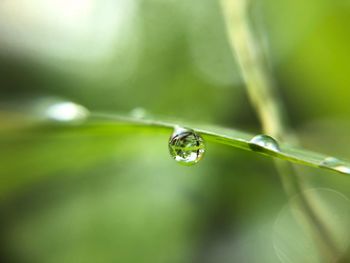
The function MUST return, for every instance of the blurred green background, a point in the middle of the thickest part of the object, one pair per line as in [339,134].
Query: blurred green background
[75,195]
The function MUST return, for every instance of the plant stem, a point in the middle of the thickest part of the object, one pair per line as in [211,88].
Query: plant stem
[259,82]
[267,103]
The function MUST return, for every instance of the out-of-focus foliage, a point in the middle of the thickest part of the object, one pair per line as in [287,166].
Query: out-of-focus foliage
[83,197]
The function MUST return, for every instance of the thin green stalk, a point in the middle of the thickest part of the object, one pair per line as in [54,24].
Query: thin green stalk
[267,103]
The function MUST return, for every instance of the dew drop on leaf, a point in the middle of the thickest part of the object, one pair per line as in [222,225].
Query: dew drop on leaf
[336,164]
[186,147]
[138,113]
[264,141]
[66,111]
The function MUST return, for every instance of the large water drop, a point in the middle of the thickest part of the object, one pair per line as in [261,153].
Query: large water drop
[186,147]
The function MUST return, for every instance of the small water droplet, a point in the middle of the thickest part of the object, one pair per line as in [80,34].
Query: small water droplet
[66,112]
[138,113]
[336,164]
[186,147]
[264,141]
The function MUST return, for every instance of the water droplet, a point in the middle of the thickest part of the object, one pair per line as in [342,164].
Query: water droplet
[138,113]
[186,147]
[66,112]
[336,164]
[264,141]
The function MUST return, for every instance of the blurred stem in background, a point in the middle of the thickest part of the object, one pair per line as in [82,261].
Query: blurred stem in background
[267,103]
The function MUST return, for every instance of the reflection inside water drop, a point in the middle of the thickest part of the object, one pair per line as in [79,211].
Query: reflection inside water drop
[264,141]
[186,147]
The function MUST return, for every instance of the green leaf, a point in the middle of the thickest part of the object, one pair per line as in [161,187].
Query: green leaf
[35,151]
[230,137]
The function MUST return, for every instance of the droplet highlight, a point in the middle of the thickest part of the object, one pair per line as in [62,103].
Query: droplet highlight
[265,142]
[335,164]
[186,146]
